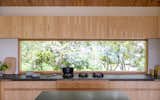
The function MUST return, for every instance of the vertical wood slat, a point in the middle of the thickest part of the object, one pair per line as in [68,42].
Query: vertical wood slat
[79,27]
[8,27]
[133,24]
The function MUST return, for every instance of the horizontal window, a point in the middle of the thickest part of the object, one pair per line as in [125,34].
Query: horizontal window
[92,55]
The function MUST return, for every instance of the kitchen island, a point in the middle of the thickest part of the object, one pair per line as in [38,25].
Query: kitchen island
[21,88]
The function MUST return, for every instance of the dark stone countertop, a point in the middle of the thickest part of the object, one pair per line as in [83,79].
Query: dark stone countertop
[54,77]
[82,95]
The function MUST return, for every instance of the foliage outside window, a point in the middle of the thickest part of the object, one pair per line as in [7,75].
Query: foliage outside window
[83,55]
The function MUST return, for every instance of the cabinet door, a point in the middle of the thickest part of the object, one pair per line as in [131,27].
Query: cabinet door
[22,94]
[82,84]
[9,26]
[146,24]
[26,27]
[19,95]
[127,27]
[25,90]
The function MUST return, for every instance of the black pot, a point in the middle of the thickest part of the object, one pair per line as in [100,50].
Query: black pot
[98,75]
[68,72]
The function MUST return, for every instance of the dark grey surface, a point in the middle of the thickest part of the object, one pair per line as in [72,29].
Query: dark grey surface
[82,95]
[54,77]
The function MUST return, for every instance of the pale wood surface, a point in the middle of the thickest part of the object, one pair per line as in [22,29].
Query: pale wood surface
[79,27]
[25,90]
[133,25]
[8,26]
[83,84]
[136,90]
[28,90]
[30,85]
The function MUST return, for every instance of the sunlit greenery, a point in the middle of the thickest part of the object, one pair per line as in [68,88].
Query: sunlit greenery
[83,55]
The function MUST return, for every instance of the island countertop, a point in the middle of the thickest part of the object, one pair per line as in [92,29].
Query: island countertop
[54,77]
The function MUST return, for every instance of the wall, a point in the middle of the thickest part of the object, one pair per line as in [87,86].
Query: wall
[8,48]
[78,27]
[153,52]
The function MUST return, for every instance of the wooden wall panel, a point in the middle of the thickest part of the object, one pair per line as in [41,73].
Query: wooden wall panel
[8,27]
[79,2]
[136,27]
[75,27]
[26,27]
[147,25]
[79,27]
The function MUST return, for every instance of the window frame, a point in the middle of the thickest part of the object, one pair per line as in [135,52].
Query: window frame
[105,72]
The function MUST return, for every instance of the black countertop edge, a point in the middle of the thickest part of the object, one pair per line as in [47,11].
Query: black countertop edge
[33,79]
[80,79]
[131,79]
[112,79]
[72,79]
[55,78]
[18,79]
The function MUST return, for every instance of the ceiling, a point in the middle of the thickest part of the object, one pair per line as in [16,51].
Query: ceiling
[79,2]
[79,11]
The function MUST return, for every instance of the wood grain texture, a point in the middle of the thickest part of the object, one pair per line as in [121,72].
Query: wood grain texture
[79,27]
[8,27]
[89,27]
[79,2]
[136,90]
[108,85]
[25,90]
[29,90]
[29,85]
[82,85]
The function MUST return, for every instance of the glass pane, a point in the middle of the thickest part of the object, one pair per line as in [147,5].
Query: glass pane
[83,55]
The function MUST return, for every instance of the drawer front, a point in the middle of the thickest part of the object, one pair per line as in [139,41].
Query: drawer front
[82,84]
[135,85]
[29,84]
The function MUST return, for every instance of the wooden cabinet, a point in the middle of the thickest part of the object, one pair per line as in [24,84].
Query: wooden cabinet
[9,26]
[29,90]
[18,95]
[133,27]
[25,90]
[79,27]
[83,84]
[140,90]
